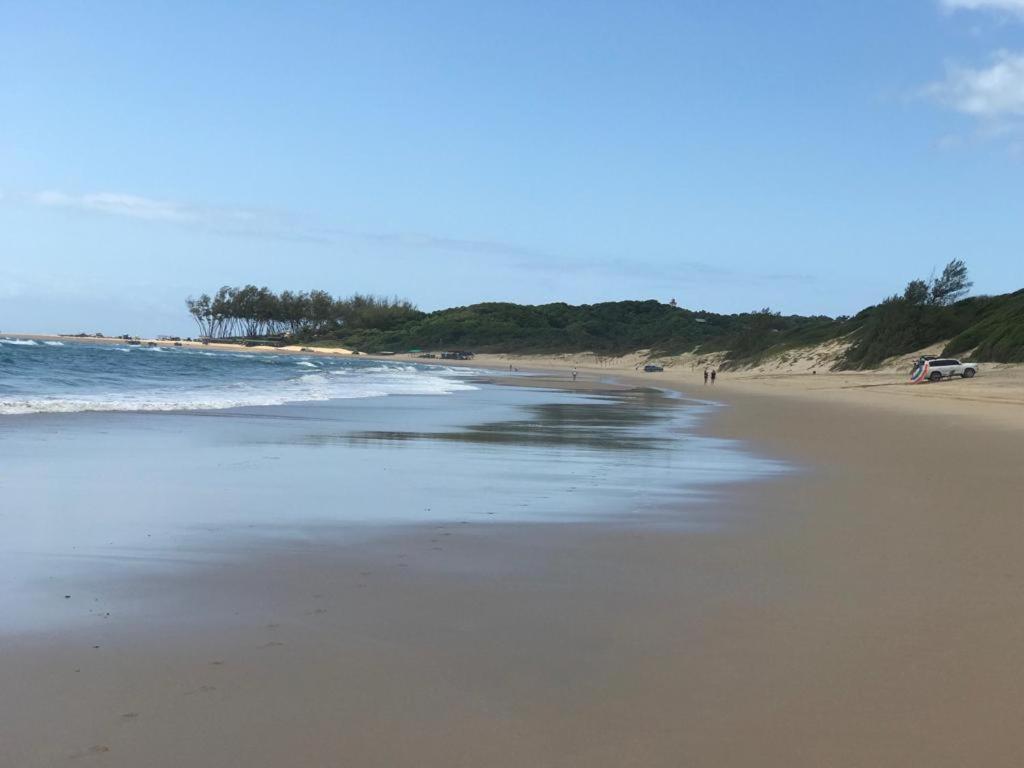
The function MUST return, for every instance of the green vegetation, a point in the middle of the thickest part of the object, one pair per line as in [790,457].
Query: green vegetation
[610,328]
[251,312]
[931,311]
[996,331]
[990,328]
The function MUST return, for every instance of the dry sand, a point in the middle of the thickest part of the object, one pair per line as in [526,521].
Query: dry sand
[868,611]
[995,396]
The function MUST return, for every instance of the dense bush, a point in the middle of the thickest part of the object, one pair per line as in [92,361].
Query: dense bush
[252,312]
[610,328]
[990,328]
[926,313]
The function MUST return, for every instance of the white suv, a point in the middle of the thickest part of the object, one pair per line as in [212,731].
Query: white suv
[946,368]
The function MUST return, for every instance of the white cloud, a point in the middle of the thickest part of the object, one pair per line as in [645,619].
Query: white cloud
[991,93]
[132,206]
[266,224]
[1005,6]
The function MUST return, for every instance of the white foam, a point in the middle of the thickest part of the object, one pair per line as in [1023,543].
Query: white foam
[310,387]
[54,343]
[19,342]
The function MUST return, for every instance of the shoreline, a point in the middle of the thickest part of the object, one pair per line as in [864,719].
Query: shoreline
[290,349]
[867,610]
[995,396]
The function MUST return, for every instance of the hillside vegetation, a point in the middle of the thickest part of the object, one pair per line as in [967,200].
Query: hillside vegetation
[989,328]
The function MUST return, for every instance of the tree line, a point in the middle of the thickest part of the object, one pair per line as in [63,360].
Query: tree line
[926,312]
[252,312]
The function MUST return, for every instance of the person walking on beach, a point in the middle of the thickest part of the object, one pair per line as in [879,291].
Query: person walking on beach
[705,375]
[713,375]
[574,373]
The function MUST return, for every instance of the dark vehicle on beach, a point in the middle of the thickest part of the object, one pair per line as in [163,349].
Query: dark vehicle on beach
[652,368]
[459,355]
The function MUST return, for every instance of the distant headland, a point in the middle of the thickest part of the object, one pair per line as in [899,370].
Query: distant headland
[928,312]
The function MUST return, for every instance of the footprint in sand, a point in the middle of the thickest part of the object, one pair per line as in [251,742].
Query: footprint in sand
[272,644]
[216,663]
[202,689]
[129,716]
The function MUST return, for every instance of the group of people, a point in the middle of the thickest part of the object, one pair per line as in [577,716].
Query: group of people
[710,373]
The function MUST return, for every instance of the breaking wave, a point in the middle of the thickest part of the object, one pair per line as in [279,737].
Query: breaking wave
[79,377]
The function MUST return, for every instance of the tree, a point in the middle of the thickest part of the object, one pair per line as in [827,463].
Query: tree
[201,313]
[917,292]
[224,310]
[321,310]
[951,285]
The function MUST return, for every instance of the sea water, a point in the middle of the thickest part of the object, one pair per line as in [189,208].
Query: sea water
[57,377]
[119,461]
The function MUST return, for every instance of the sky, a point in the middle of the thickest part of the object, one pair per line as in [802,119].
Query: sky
[808,156]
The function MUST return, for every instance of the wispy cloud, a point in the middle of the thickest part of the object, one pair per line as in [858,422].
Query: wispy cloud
[276,225]
[138,207]
[992,92]
[242,222]
[451,244]
[1004,6]
[265,224]
[681,272]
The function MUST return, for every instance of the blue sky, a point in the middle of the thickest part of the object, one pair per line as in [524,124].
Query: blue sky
[810,156]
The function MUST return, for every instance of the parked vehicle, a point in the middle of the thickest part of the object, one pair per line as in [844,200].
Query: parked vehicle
[652,368]
[938,368]
[920,361]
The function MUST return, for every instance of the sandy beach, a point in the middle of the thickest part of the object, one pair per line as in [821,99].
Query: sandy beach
[864,610]
[512,385]
[995,396]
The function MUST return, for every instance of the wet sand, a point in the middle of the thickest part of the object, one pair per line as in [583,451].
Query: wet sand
[995,395]
[866,610]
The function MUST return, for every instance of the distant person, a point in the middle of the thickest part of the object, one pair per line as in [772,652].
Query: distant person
[714,375]
[574,374]
[510,367]
[705,375]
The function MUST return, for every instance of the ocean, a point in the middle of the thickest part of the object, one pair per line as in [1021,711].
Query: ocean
[64,377]
[119,463]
